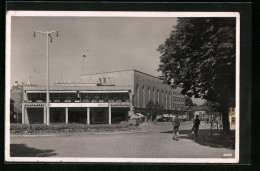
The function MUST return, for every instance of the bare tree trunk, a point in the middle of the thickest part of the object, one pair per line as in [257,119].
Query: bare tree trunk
[225,120]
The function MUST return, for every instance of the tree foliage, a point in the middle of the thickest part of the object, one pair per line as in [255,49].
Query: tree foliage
[154,110]
[188,101]
[199,56]
[211,106]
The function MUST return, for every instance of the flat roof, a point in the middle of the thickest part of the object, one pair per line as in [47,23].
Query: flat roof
[122,71]
[78,88]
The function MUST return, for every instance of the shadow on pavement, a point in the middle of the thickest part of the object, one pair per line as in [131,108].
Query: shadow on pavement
[21,150]
[215,140]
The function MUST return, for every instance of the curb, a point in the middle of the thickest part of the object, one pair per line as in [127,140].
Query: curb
[83,133]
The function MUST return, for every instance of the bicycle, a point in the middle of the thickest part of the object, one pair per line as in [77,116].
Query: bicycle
[214,124]
[196,131]
[175,132]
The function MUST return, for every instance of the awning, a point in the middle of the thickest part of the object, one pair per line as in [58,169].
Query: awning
[105,91]
[51,91]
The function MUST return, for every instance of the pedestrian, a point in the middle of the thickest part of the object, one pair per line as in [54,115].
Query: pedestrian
[176,124]
[196,127]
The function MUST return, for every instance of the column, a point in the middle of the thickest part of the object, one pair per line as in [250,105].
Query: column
[23,114]
[26,119]
[66,115]
[25,97]
[88,116]
[132,101]
[48,116]
[109,114]
[44,115]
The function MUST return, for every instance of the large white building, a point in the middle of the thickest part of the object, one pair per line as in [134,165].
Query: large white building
[99,98]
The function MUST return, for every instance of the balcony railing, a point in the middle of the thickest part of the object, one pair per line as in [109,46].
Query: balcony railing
[78,101]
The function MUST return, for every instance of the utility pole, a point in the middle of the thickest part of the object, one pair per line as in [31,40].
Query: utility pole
[48,36]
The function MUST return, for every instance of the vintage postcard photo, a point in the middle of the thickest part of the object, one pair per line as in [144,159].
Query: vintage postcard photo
[122,87]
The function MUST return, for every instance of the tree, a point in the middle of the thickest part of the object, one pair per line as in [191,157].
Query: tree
[188,102]
[211,107]
[154,110]
[195,104]
[199,56]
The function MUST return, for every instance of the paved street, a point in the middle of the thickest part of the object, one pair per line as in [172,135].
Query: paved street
[156,142]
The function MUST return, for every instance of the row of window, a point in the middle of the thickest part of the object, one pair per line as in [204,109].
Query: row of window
[164,97]
[180,101]
[79,97]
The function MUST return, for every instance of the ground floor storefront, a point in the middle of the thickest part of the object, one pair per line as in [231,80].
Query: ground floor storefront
[85,113]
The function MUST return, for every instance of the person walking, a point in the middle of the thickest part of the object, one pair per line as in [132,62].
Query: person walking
[196,127]
[176,124]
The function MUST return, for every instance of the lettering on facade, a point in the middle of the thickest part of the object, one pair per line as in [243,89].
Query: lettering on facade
[34,105]
[120,104]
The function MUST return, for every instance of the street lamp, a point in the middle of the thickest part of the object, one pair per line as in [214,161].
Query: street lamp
[48,36]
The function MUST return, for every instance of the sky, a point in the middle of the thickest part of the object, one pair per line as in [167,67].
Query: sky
[109,43]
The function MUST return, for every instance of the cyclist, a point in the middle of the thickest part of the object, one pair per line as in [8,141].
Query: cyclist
[176,124]
[196,127]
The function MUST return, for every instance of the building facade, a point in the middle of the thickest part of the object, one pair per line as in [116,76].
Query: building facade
[146,88]
[232,118]
[201,111]
[16,104]
[99,98]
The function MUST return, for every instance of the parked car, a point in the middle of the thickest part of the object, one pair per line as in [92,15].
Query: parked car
[183,118]
[163,119]
[39,101]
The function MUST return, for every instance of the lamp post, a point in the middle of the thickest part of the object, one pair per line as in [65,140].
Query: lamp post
[48,36]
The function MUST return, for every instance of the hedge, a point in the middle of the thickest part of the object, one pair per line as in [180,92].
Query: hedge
[17,129]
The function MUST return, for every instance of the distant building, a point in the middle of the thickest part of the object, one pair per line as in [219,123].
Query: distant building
[16,94]
[232,117]
[99,98]
[201,111]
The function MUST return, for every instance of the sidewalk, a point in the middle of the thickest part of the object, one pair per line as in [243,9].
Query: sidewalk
[220,139]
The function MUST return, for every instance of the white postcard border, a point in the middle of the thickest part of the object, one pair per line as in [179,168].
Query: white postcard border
[9,15]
